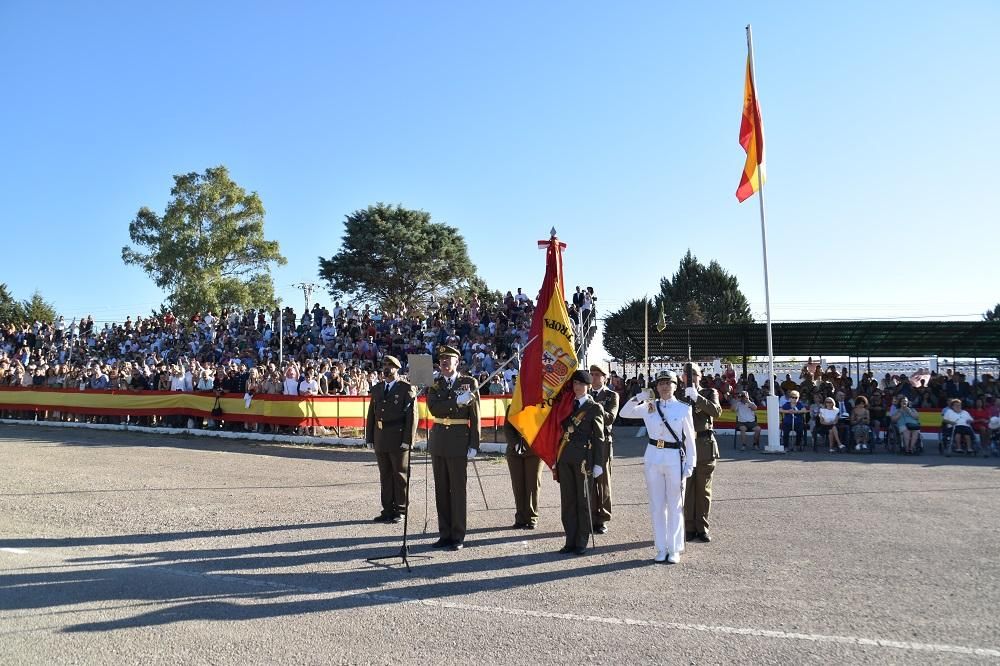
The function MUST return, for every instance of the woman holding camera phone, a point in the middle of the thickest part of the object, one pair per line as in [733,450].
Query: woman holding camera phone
[908,423]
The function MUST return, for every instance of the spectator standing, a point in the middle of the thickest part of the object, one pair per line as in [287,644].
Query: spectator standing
[291,383]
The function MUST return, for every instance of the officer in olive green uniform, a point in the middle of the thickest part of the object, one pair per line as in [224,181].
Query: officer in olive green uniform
[453,401]
[525,477]
[698,500]
[391,429]
[607,398]
[581,450]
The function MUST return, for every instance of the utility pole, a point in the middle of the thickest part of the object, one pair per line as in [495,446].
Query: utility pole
[307,290]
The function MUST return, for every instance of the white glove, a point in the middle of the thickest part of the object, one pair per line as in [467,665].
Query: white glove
[691,393]
[464,398]
[687,471]
[472,454]
[598,470]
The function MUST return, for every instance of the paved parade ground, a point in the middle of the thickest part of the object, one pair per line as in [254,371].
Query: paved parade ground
[126,548]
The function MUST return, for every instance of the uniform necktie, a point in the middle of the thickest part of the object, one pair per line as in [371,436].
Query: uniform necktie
[386,392]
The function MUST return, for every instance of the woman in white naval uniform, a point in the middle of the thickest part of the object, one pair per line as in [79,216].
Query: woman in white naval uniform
[668,462]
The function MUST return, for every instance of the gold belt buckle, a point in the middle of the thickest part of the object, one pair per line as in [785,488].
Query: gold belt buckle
[660,444]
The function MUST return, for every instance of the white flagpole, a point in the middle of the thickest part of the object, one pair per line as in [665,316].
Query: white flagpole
[645,334]
[773,418]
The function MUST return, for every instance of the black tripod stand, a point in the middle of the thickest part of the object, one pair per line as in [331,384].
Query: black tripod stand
[404,550]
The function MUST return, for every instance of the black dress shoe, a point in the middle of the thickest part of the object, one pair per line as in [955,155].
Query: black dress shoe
[381,518]
[457,545]
[395,518]
[580,551]
[566,550]
[519,526]
[529,526]
[689,536]
[600,528]
[441,543]
[703,537]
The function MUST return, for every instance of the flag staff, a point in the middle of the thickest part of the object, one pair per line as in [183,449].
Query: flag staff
[773,434]
[645,334]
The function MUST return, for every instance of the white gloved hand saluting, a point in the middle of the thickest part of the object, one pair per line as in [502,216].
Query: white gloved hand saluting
[464,398]
[598,470]
[472,454]
[691,393]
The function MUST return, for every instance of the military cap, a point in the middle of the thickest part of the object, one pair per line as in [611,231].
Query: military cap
[597,368]
[582,376]
[445,350]
[391,360]
[666,376]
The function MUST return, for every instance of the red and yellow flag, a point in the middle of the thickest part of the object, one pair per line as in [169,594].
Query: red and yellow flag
[752,140]
[541,402]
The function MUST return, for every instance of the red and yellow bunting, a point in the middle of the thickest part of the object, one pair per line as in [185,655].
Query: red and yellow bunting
[330,411]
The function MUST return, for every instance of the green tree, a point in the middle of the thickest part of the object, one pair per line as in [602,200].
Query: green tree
[37,308]
[631,315]
[10,309]
[476,285]
[992,315]
[393,258]
[699,294]
[695,294]
[208,250]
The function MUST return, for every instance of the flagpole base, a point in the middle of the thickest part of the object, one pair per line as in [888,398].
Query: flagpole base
[773,431]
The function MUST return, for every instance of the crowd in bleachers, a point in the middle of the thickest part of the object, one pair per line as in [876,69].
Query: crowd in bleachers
[826,405]
[320,351]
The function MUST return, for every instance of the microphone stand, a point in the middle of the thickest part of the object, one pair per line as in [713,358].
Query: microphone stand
[404,550]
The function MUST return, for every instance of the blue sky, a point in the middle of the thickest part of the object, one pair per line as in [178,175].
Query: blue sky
[615,123]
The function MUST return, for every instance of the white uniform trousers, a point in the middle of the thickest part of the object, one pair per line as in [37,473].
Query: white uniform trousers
[666,498]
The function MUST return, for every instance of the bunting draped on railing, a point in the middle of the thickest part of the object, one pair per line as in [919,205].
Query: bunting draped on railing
[289,410]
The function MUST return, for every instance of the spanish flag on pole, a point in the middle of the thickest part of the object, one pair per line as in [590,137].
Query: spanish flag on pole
[751,136]
[540,403]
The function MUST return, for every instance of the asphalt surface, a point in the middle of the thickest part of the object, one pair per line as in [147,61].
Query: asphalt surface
[125,548]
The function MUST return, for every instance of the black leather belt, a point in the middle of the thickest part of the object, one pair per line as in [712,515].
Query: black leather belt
[660,444]
[705,433]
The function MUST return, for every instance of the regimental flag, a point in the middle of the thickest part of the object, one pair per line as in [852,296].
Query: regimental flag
[541,401]
[752,139]
[661,323]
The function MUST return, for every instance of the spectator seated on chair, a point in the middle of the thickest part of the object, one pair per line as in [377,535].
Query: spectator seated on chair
[879,420]
[793,413]
[861,423]
[961,422]
[980,422]
[908,424]
[829,416]
[746,420]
